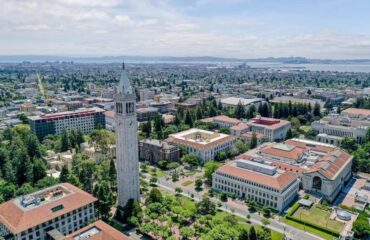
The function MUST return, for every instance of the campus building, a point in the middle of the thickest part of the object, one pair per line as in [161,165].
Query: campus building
[153,151]
[98,230]
[258,181]
[58,210]
[86,120]
[322,168]
[273,129]
[246,102]
[352,122]
[204,144]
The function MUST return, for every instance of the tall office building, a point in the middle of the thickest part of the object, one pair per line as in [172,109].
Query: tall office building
[126,141]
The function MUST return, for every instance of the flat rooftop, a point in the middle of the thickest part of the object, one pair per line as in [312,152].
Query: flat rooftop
[244,101]
[54,116]
[279,180]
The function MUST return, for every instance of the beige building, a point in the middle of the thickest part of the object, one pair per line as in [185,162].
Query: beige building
[258,181]
[205,144]
[60,209]
[322,168]
[273,129]
[352,122]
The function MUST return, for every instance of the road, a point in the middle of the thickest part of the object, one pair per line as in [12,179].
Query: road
[289,231]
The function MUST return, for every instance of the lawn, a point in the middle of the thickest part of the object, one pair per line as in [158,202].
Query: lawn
[318,216]
[186,183]
[307,228]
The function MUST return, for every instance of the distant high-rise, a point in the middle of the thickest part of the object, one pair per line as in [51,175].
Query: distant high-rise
[126,141]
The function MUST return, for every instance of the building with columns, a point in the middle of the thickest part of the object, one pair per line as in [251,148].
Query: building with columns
[127,158]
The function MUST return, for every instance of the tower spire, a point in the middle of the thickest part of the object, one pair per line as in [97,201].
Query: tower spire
[124,85]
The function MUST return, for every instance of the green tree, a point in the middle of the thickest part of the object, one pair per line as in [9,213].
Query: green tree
[9,172]
[198,185]
[132,213]
[7,191]
[253,143]
[64,173]
[317,110]
[155,196]
[289,134]
[26,188]
[188,119]
[39,169]
[103,192]
[349,144]
[186,232]
[209,168]
[244,235]
[65,142]
[46,182]
[252,233]
[223,197]
[239,111]
[190,159]
[206,206]
[112,173]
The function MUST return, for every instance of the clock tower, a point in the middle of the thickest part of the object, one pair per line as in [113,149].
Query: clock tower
[127,159]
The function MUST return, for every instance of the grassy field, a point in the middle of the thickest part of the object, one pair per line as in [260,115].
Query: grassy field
[308,229]
[320,217]
[186,183]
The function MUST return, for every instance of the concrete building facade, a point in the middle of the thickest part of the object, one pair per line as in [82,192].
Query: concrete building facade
[258,181]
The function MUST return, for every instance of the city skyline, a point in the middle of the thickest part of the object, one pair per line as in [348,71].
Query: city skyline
[333,29]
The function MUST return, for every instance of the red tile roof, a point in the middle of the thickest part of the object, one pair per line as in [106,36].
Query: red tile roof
[357,111]
[239,127]
[18,220]
[106,232]
[110,114]
[269,123]
[249,135]
[277,182]
[227,119]
[295,154]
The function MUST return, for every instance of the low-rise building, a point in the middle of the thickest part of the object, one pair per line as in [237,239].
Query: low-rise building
[144,114]
[249,135]
[62,207]
[273,129]
[204,144]
[258,181]
[98,230]
[225,121]
[239,129]
[352,122]
[246,102]
[322,168]
[153,150]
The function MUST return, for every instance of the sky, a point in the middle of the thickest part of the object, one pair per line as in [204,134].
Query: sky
[336,29]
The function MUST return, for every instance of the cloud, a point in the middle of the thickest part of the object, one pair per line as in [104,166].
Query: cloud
[145,27]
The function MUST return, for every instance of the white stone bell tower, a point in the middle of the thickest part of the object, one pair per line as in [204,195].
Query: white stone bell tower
[126,141]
